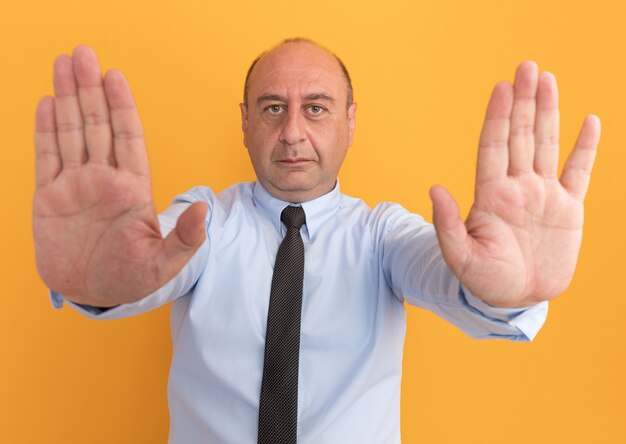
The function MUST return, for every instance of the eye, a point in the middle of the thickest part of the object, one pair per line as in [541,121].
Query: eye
[274,109]
[316,110]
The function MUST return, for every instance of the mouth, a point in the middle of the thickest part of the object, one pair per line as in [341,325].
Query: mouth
[294,162]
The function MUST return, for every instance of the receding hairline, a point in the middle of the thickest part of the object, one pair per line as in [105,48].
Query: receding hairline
[344,70]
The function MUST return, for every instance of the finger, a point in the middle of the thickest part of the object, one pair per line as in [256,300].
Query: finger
[187,236]
[493,156]
[47,155]
[69,121]
[93,104]
[128,140]
[546,161]
[451,231]
[521,138]
[577,170]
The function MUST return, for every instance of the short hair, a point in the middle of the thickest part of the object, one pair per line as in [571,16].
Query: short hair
[344,70]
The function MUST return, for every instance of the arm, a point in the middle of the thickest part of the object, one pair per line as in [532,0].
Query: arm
[97,236]
[415,269]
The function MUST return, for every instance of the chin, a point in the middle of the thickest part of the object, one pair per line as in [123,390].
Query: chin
[296,184]
[296,191]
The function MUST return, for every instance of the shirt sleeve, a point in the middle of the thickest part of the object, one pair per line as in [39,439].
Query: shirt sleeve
[180,285]
[416,271]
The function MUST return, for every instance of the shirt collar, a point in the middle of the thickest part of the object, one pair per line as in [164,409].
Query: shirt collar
[317,211]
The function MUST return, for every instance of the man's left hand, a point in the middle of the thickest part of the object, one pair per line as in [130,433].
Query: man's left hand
[520,242]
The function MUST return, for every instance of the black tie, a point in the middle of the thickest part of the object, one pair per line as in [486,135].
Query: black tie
[278,410]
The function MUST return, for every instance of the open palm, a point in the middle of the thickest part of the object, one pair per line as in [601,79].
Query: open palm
[97,236]
[519,244]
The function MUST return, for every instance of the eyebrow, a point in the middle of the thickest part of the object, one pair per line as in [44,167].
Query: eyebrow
[279,98]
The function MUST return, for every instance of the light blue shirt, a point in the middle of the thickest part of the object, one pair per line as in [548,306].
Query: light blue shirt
[361,264]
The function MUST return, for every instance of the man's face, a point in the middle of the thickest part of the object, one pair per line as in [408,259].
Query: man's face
[297,125]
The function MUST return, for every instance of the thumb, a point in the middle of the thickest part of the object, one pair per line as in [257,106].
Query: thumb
[451,231]
[188,234]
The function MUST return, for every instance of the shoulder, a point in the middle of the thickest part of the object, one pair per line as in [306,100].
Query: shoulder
[384,215]
[382,223]
[393,215]
[237,193]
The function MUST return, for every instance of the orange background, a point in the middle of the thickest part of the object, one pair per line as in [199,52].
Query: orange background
[422,71]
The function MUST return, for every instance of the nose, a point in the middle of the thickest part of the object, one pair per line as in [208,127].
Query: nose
[293,131]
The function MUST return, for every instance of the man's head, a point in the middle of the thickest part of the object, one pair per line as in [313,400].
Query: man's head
[298,119]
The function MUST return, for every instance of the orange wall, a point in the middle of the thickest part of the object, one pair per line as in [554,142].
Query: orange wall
[422,74]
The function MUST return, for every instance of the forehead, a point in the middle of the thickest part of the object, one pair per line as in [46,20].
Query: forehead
[297,69]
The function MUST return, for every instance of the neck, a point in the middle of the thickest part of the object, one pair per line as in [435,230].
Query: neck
[297,196]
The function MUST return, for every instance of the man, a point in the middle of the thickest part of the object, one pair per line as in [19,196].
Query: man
[99,243]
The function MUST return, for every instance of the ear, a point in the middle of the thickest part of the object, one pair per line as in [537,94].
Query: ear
[351,122]
[244,120]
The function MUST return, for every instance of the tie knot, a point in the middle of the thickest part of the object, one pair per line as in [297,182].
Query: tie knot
[293,217]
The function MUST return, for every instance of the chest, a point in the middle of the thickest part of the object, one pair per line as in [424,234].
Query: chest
[344,290]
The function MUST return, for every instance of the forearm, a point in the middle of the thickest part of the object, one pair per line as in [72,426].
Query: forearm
[419,275]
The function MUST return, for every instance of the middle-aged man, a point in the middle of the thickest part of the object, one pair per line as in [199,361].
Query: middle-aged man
[301,338]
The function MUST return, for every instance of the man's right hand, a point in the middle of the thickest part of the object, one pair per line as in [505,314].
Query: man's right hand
[97,236]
